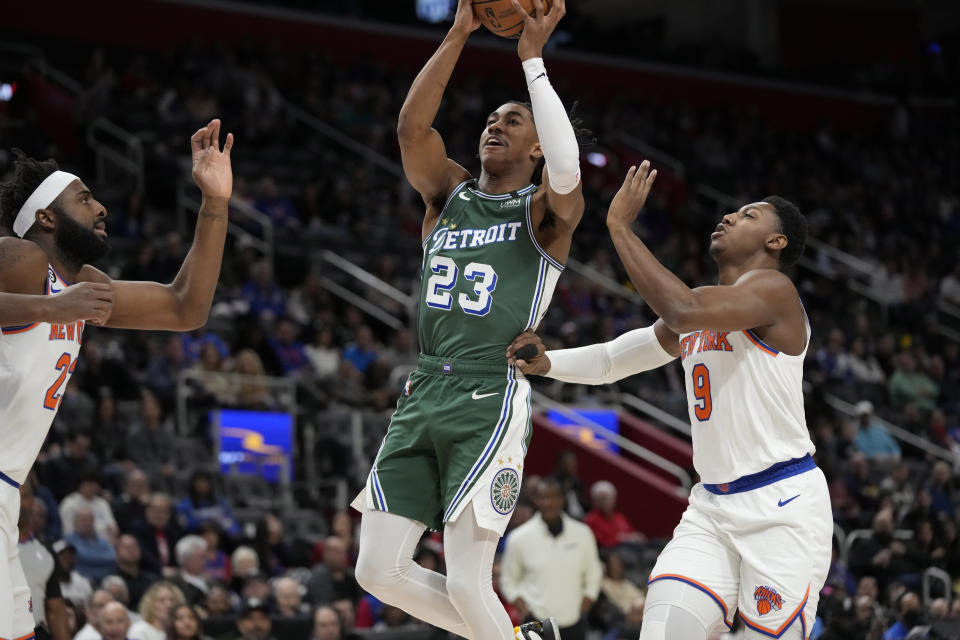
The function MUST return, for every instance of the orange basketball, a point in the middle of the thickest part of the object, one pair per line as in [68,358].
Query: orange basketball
[763,606]
[501,18]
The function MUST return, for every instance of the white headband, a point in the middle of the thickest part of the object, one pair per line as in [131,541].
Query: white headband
[42,197]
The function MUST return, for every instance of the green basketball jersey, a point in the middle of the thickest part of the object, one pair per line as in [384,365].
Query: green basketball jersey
[484,277]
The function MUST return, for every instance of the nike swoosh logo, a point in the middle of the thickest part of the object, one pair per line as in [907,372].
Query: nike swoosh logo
[481,396]
[463,196]
[782,502]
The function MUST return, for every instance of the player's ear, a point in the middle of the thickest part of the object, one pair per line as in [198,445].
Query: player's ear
[537,152]
[777,241]
[46,219]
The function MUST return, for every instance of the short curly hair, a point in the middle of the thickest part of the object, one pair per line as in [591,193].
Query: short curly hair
[28,173]
[793,224]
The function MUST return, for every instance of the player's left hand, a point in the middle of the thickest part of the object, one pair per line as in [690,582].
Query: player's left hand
[211,166]
[538,27]
[539,364]
[632,195]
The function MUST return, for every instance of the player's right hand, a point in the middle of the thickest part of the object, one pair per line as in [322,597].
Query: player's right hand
[465,19]
[87,301]
[536,366]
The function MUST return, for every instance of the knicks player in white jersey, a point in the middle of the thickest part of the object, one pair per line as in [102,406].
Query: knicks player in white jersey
[756,535]
[60,229]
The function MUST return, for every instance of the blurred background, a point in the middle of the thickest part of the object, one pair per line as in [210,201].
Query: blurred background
[251,435]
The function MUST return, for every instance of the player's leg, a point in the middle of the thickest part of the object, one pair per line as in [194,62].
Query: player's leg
[785,553]
[16,615]
[470,550]
[385,568]
[695,582]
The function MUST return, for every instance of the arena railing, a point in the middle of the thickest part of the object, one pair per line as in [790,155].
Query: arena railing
[935,574]
[358,274]
[541,400]
[242,215]
[865,534]
[656,413]
[116,148]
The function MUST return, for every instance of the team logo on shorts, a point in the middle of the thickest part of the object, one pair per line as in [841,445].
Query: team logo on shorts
[767,598]
[504,491]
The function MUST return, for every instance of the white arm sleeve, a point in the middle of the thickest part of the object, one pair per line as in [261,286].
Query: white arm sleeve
[557,138]
[633,352]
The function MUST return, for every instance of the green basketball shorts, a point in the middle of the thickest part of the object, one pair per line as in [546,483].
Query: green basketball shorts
[458,437]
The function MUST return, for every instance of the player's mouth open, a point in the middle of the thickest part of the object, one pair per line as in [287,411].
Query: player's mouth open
[719,232]
[493,142]
[100,229]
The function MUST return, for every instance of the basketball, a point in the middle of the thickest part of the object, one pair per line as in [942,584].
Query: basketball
[763,606]
[501,18]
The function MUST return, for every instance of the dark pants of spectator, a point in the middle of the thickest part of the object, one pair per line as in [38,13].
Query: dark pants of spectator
[576,632]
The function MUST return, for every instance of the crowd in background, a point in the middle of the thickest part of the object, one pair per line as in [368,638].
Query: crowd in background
[126,523]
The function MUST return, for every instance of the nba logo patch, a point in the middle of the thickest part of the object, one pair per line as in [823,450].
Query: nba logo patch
[406,388]
[767,599]
[447,367]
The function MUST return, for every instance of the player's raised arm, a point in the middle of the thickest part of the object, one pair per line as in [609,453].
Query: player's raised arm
[759,298]
[558,140]
[185,303]
[602,363]
[86,301]
[424,155]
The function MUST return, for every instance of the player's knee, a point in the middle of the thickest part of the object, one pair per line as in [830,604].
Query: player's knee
[668,622]
[376,573]
[461,588]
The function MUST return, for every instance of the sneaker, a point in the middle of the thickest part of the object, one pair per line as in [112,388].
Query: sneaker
[539,630]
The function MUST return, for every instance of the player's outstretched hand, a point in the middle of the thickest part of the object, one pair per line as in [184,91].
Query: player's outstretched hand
[538,26]
[90,302]
[632,195]
[211,166]
[527,352]
[465,20]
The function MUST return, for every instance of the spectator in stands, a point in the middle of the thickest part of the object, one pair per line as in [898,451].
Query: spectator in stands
[130,506]
[114,622]
[163,369]
[288,599]
[950,286]
[252,393]
[118,589]
[832,358]
[62,473]
[862,623]
[47,513]
[872,439]
[73,586]
[150,442]
[192,559]
[95,555]
[863,366]
[341,526]
[941,490]
[351,617]
[922,509]
[244,564]
[909,615]
[617,590]
[881,554]
[897,485]
[629,627]
[273,551]
[210,364]
[862,487]
[218,564]
[137,579]
[155,609]
[265,299]
[91,612]
[566,472]
[185,624]
[88,495]
[323,353]
[202,505]
[218,601]
[610,527]
[550,565]
[909,386]
[394,619]
[289,350]
[254,622]
[195,342]
[278,207]
[157,534]
[309,301]
[326,624]
[363,351]
[334,579]
[40,570]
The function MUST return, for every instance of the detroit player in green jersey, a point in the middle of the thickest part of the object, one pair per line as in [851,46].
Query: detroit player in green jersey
[494,247]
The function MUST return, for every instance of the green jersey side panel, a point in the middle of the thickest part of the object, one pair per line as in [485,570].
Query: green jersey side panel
[484,278]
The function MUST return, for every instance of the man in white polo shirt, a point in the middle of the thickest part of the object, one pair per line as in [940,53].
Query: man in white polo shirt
[550,567]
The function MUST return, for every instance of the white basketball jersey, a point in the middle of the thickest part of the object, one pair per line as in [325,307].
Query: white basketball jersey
[36,361]
[745,401]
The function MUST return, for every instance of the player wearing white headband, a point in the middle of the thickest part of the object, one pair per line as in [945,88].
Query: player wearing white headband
[48,290]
